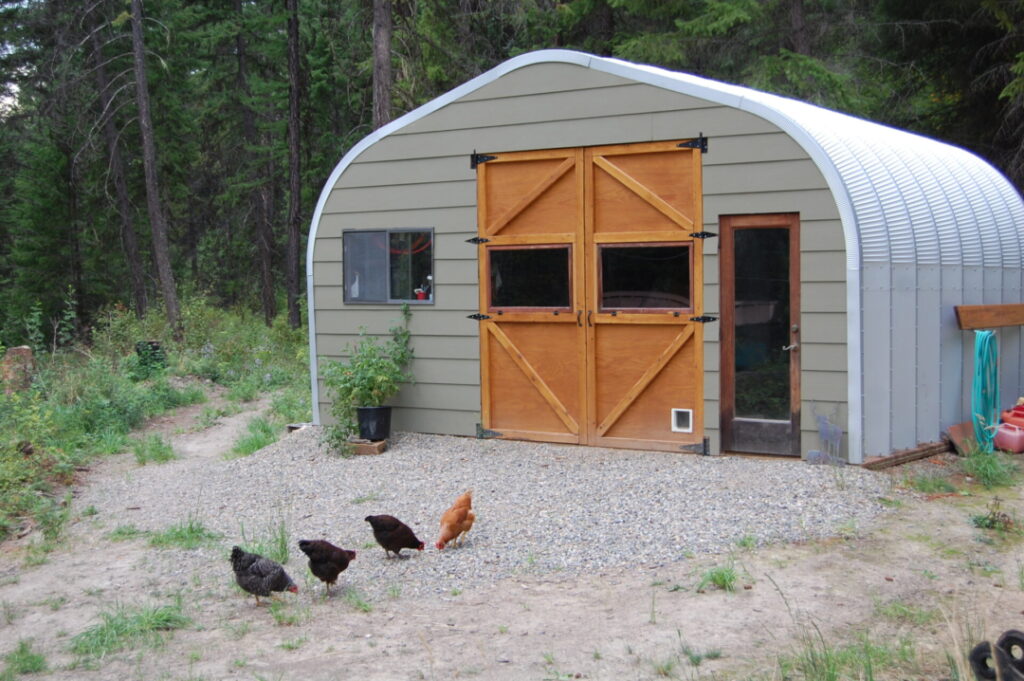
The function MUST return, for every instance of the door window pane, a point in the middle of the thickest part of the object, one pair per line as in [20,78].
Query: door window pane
[530,277]
[762,323]
[645,277]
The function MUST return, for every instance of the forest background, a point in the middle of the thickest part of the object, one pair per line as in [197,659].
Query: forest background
[169,149]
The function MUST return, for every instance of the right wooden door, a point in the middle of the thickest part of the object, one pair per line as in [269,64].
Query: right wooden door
[590,281]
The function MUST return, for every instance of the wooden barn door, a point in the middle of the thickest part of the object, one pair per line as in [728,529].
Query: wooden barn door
[645,371]
[531,345]
[590,278]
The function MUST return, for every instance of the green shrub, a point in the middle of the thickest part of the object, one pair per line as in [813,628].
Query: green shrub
[373,373]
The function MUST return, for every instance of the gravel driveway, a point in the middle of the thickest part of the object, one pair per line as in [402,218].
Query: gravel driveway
[541,508]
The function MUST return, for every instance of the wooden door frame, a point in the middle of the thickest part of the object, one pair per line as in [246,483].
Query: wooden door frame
[727,266]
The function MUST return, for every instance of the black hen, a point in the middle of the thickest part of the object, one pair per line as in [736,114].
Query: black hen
[326,560]
[393,534]
[258,575]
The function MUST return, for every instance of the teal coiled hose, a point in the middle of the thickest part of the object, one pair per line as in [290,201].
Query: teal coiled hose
[985,388]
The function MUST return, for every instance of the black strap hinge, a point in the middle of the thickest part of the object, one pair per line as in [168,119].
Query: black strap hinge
[476,159]
[477,240]
[700,143]
[704,319]
[483,433]
[702,235]
[479,317]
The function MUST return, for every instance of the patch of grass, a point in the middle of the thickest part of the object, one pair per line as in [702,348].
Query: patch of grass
[9,611]
[153,449]
[721,577]
[246,389]
[189,534]
[665,668]
[908,614]
[990,469]
[126,627]
[363,498]
[815,659]
[996,519]
[273,543]
[747,541]
[889,502]
[23,660]
[125,533]
[931,483]
[110,441]
[55,602]
[355,598]
[284,615]
[89,511]
[294,644]
[394,591]
[209,416]
[261,433]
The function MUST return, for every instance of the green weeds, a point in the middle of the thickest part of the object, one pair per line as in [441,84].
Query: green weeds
[83,403]
[931,484]
[126,627]
[990,469]
[273,543]
[721,577]
[260,433]
[190,534]
[23,660]
[152,449]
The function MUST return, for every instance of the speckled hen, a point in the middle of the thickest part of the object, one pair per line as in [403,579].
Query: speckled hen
[258,575]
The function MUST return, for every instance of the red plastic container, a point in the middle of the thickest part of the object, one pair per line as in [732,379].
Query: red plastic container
[1014,415]
[1009,438]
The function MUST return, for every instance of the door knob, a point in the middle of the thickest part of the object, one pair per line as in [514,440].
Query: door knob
[787,348]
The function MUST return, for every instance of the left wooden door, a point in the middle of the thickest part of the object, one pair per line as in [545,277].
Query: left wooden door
[532,343]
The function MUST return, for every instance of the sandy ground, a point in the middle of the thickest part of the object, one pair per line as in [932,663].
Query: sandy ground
[926,581]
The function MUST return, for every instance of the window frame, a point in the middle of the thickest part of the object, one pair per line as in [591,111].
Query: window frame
[389,299]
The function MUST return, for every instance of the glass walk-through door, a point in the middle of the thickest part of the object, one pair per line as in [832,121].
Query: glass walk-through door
[760,333]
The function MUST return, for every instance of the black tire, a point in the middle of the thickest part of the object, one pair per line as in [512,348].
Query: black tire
[1012,643]
[982,663]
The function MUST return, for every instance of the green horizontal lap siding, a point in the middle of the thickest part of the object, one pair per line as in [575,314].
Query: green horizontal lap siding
[419,176]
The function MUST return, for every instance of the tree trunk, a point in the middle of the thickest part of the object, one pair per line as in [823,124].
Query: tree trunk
[382,76]
[263,231]
[129,240]
[294,169]
[157,220]
[798,28]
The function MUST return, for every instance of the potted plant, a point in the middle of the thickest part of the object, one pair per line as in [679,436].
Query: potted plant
[374,372]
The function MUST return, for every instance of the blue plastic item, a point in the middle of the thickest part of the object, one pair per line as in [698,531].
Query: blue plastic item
[985,388]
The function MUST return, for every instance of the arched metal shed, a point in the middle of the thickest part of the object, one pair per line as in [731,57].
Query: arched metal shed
[840,249]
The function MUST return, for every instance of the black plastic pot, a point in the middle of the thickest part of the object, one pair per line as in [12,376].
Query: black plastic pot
[374,422]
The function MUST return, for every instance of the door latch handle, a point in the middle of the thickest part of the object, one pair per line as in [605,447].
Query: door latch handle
[787,348]
[579,320]
[589,312]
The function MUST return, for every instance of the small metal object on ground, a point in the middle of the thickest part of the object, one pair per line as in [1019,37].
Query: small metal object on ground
[368,446]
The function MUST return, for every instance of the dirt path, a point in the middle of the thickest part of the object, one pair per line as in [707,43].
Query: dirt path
[900,582]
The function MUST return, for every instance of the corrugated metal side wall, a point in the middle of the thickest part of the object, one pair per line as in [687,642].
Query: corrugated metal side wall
[419,176]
